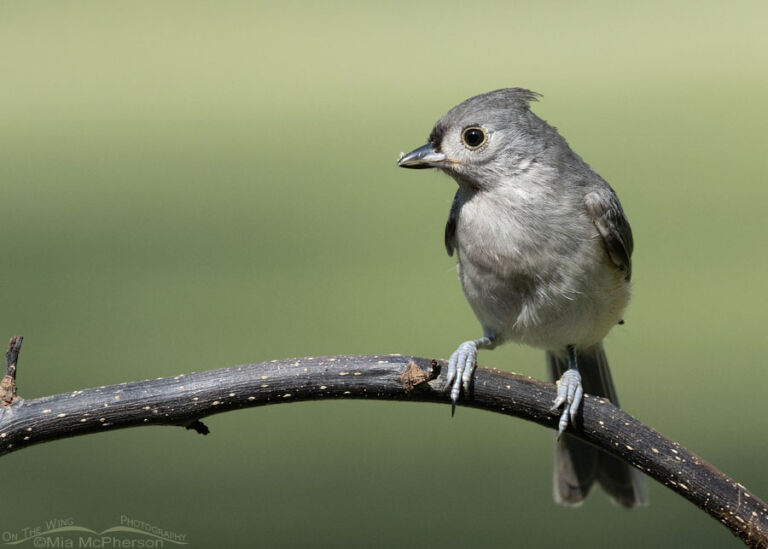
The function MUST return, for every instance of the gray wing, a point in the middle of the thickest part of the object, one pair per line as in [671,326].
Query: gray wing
[450,226]
[608,216]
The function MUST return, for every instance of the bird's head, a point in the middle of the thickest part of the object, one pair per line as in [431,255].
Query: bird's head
[484,139]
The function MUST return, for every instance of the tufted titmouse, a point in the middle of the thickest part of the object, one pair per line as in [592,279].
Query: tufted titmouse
[543,249]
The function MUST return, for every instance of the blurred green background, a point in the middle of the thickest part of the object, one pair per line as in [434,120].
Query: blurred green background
[189,185]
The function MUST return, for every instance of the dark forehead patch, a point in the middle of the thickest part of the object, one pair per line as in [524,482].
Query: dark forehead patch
[436,137]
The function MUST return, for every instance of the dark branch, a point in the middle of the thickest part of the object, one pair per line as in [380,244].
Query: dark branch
[184,399]
[8,383]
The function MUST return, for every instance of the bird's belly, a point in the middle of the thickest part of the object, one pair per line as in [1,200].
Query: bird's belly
[560,303]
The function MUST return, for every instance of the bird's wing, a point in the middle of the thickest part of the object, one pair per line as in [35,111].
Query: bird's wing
[608,216]
[450,226]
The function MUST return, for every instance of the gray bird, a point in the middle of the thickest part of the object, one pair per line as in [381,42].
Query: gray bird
[543,249]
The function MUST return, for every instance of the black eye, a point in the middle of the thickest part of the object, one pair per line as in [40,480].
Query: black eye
[473,137]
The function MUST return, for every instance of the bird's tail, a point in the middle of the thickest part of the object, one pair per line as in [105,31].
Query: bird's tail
[578,464]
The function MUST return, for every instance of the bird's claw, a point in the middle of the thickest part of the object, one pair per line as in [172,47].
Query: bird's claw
[461,366]
[569,395]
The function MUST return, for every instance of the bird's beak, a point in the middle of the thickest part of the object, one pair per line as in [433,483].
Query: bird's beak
[423,157]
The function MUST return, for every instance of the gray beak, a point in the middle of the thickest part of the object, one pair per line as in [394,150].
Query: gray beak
[423,157]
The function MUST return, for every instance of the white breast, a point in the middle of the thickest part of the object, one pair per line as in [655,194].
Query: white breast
[534,268]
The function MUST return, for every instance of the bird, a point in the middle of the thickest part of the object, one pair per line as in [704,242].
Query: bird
[543,252]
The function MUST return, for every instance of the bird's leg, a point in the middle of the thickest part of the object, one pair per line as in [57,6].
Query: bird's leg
[569,392]
[462,364]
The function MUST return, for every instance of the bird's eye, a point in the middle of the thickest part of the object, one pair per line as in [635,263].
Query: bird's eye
[473,137]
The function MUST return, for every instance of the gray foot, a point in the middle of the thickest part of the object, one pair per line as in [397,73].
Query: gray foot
[569,394]
[461,366]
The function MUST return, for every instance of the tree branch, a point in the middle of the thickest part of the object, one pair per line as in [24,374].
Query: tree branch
[8,383]
[184,399]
